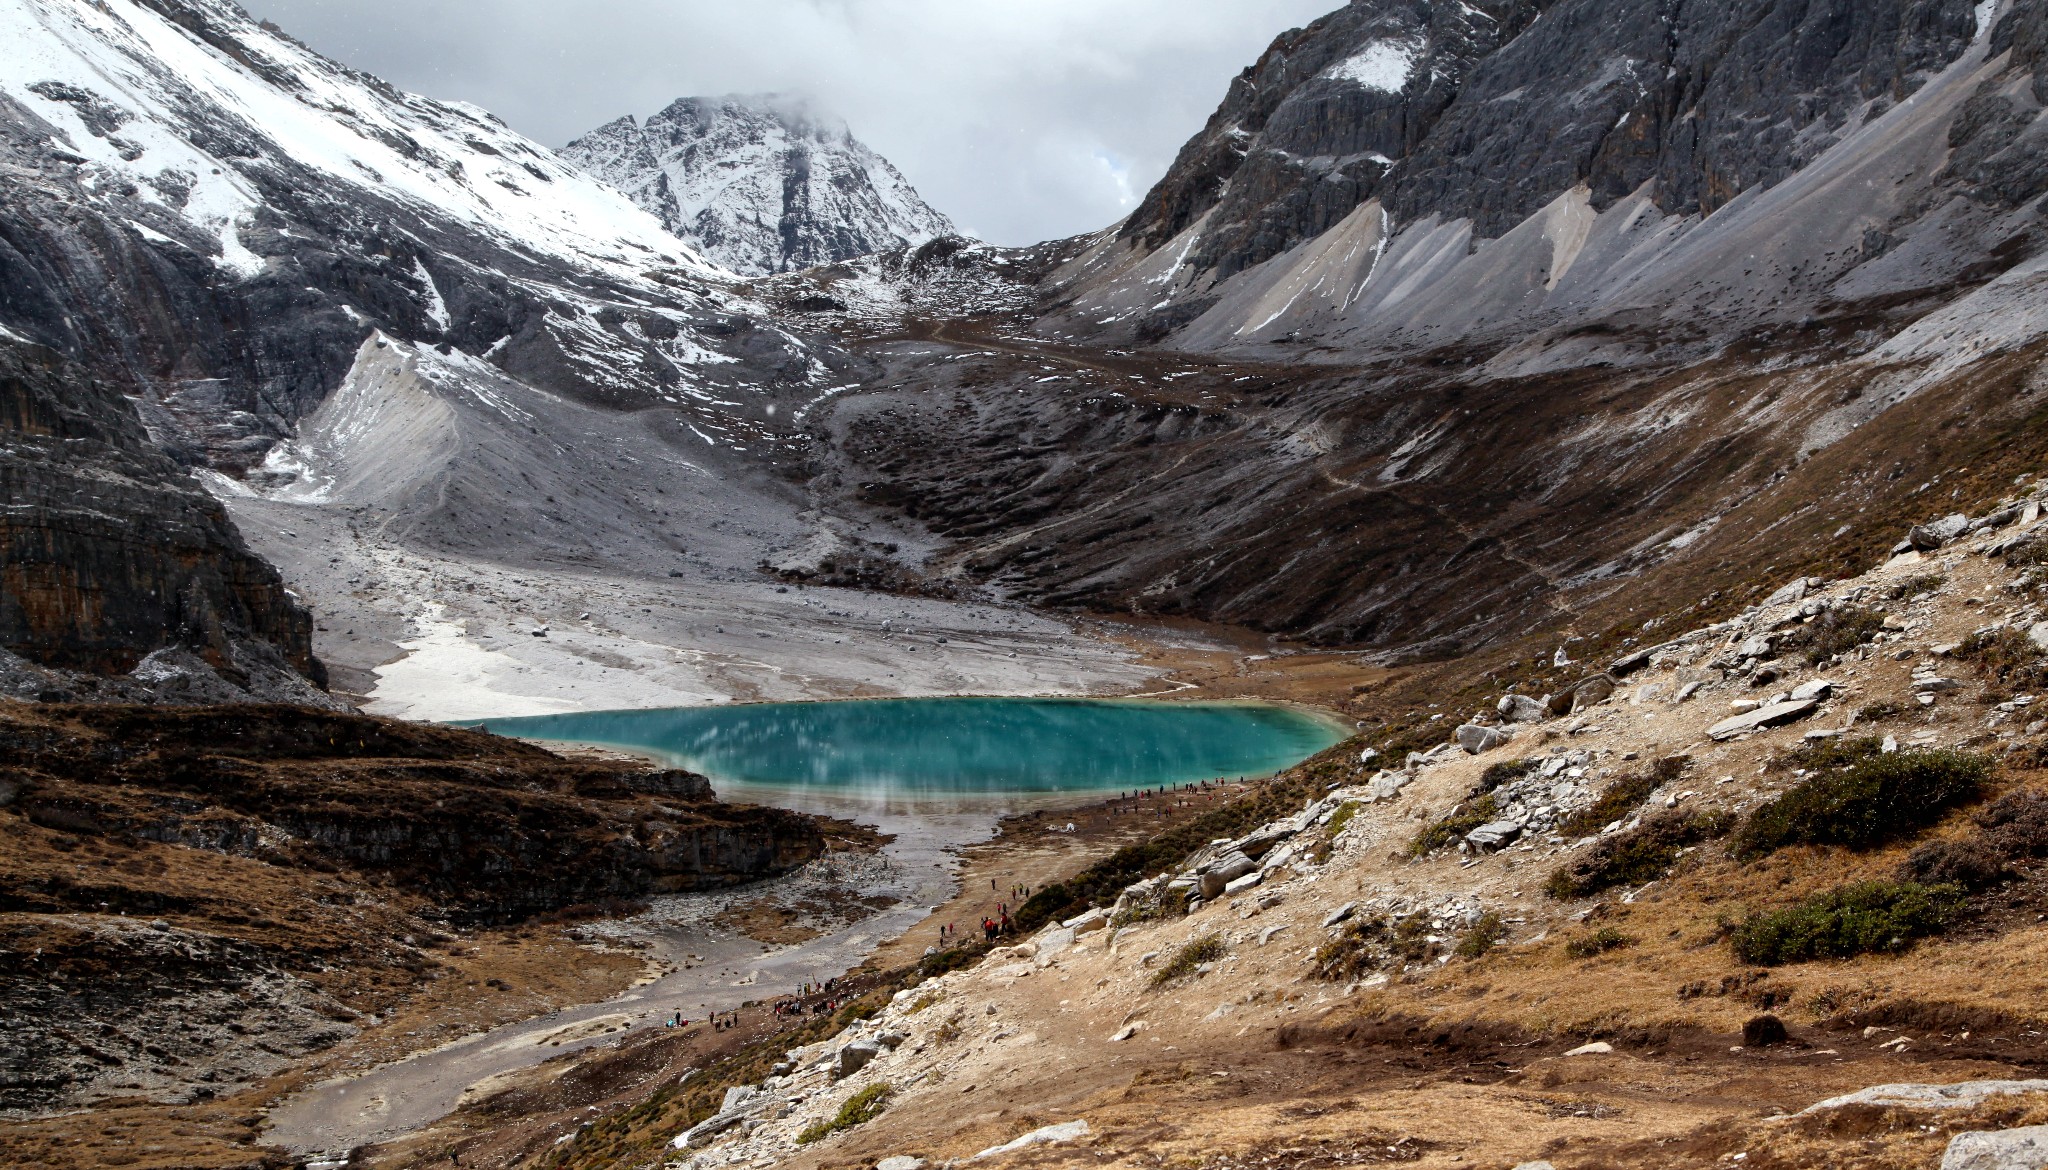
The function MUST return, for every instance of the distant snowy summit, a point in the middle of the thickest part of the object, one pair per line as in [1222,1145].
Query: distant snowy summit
[760,184]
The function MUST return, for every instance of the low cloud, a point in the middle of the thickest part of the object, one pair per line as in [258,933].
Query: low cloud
[1024,120]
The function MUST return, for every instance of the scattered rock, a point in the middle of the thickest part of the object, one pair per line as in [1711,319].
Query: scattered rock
[1817,689]
[1339,914]
[1596,1048]
[1523,709]
[1241,884]
[900,1162]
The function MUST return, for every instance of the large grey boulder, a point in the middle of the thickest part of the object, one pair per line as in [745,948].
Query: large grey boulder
[1494,834]
[1478,740]
[855,1057]
[1928,537]
[1522,709]
[1224,870]
[1796,591]
[2005,1149]
[1773,715]
[1960,1095]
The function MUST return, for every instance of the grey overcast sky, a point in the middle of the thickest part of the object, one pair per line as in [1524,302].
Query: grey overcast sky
[1024,120]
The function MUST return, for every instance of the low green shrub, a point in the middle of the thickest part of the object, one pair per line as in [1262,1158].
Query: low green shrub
[2013,828]
[1913,587]
[1505,772]
[1485,935]
[1599,942]
[2009,656]
[1622,798]
[1366,945]
[1643,854]
[1874,801]
[859,1109]
[1462,820]
[1206,949]
[1865,918]
[1835,632]
[1342,817]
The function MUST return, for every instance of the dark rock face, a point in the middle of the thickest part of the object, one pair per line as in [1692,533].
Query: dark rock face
[1311,131]
[113,551]
[1488,113]
[1707,100]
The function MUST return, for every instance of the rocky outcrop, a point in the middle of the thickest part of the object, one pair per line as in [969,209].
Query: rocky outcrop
[489,828]
[760,183]
[141,1008]
[115,553]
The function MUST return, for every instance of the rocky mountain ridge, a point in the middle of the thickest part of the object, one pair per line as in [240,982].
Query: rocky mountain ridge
[761,183]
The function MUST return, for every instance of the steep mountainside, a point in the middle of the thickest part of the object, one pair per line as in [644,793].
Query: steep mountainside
[114,552]
[1452,324]
[211,219]
[761,183]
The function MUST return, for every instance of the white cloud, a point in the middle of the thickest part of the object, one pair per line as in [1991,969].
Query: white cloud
[1022,119]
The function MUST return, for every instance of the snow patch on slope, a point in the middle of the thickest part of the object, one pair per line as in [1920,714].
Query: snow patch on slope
[1381,65]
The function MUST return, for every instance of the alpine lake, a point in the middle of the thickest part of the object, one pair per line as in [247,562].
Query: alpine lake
[942,755]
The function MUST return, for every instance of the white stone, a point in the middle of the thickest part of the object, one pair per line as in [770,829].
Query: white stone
[1961,1095]
[1596,1048]
[2007,1149]
[1065,1132]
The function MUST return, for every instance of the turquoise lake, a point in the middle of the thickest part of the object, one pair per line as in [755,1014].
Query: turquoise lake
[949,752]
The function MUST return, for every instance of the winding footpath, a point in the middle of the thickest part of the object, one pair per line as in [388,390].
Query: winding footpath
[329,1119]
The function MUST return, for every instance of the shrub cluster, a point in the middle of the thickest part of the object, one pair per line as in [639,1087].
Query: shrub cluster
[1622,798]
[859,1109]
[1852,920]
[1835,633]
[1206,949]
[2008,656]
[1366,945]
[1873,801]
[1599,942]
[1462,820]
[1643,854]
[2014,828]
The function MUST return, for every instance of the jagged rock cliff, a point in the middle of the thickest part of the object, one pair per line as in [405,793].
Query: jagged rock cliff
[115,553]
[760,183]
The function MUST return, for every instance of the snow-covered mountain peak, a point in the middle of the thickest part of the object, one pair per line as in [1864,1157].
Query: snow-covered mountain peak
[202,110]
[760,183]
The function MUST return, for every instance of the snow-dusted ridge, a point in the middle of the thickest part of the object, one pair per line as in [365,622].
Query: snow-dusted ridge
[761,183]
[141,97]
